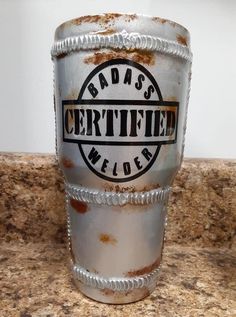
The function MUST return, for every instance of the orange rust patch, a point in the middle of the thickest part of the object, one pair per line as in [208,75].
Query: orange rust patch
[107,238]
[159,20]
[133,295]
[137,56]
[144,270]
[101,19]
[169,108]
[181,40]
[79,206]
[163,21]
[67,163]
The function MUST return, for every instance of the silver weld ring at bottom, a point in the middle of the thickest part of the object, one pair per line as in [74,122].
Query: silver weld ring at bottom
[113,283]
[117,199]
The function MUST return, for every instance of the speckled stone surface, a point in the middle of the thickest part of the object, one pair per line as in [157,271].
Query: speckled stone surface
[31,198]
[195,282]
[198,276]
[202,207]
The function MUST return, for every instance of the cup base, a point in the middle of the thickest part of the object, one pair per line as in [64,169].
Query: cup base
[109,296]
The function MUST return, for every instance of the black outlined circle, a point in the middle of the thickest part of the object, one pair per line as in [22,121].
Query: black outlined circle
[80,97]
[120,61]
[121,179]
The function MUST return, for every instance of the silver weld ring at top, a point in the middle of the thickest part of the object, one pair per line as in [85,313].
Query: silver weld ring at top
[121,40]
[117,199]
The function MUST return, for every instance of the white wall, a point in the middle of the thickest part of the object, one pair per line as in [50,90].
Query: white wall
[26,36]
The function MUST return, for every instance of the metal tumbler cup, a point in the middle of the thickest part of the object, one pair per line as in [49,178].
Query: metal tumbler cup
[121,92]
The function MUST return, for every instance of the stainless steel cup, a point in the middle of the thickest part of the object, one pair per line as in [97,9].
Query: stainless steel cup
[121,93]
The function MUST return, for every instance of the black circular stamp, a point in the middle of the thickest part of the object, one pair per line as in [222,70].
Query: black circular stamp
[119,120]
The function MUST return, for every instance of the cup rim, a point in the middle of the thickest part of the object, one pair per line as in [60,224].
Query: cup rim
[93,18]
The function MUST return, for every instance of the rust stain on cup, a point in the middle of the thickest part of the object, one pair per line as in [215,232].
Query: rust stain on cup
[133,295]
[66,162]
[144,270]
[101,19]
[80,206]
[107,238]
[137,56]
[181,40]
[159,20]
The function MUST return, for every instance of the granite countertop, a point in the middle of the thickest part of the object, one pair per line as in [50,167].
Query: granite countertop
[198,276]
